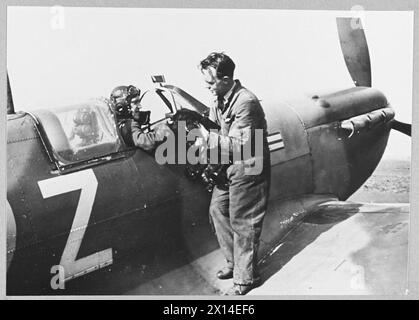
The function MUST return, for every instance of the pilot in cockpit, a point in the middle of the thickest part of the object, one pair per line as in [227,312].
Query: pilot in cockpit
[132,121]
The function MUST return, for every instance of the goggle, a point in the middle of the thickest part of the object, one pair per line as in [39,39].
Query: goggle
[122,108]
[133,91]
[122,99]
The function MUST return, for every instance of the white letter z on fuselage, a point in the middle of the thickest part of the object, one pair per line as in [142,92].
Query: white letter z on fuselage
[86,182]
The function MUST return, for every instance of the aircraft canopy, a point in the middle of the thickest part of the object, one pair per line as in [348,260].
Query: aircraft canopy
[81,132]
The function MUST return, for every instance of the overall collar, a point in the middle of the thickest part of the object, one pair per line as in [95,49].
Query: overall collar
[229,93]
[228,96]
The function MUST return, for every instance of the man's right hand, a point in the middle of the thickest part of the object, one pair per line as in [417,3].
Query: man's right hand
[161,131]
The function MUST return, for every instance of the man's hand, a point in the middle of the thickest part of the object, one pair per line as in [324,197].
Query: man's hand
[162,130]
[204,134]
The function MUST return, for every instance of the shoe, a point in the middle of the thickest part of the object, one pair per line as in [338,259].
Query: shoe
[225,273]
[240,289]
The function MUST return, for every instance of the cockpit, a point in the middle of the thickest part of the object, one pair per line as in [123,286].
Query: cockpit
[80,132]
[88,131]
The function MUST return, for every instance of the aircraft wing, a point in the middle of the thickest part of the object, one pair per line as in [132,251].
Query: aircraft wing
[337,248]
[341,248]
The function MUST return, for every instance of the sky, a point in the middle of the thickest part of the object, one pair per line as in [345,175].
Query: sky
[58,56]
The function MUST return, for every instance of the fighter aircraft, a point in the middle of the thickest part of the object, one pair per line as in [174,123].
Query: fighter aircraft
[87,214]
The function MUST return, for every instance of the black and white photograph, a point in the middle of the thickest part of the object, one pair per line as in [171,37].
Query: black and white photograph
[208,151]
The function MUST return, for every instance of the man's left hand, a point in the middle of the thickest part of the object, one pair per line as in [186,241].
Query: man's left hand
[203,138]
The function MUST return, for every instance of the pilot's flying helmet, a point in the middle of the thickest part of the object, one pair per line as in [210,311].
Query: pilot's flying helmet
[121,98]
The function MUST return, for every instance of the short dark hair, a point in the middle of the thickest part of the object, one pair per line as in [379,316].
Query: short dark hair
[221,62]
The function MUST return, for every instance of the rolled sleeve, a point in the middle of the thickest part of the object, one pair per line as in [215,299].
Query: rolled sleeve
[143,140]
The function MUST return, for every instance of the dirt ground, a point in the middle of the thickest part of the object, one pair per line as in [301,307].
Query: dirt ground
[390,183]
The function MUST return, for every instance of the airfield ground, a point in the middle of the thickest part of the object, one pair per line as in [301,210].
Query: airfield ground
[390,183]
[362,255]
